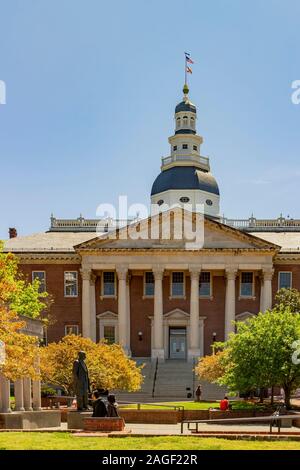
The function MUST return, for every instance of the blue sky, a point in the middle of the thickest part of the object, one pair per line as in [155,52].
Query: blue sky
[91,90]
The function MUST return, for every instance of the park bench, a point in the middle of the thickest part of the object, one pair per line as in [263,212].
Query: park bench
[274,420]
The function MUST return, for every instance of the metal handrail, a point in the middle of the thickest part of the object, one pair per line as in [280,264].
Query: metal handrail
[154,378]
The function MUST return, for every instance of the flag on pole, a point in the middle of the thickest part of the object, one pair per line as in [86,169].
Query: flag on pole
[188,59]
[189,70]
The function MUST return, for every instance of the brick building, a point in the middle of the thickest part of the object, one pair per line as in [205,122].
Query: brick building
[152,293]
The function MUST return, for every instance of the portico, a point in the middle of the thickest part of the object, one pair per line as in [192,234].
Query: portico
[238,272]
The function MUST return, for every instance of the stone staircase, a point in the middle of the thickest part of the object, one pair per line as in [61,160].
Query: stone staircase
[174,380]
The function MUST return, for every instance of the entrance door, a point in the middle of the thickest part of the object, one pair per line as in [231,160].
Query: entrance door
[177,343]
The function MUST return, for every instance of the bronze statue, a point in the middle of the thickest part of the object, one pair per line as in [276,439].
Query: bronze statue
[81,382]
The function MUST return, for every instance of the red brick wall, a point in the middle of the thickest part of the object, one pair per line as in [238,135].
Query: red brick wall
[68,310]
[65,310]
[294,268]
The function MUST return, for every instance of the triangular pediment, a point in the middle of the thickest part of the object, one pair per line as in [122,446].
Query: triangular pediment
[176,314]
[174,230]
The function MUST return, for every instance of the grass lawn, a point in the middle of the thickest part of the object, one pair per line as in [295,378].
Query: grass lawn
[67,441]
[192,405]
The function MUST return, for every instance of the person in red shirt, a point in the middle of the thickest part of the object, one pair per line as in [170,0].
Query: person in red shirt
[224,404]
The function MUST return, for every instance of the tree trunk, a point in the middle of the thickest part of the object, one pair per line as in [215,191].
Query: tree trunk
[287,397]
[261,395]
[272,395]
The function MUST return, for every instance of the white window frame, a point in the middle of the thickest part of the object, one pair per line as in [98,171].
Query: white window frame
[115,331]
[252,295]
[65,294]
[171,286]
[210,286]
[108,319]
[107,296]
[285,272]
[39,271]
[71,325]
[145,295]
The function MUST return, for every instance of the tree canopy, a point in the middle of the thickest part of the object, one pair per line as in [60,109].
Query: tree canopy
[17,297]
[260,353]
[109,367]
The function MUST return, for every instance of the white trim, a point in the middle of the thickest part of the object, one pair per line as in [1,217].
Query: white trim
[108,318]
[146,296]
[285,272]
[210,296]
[105,296]
[70,296]
[71,325]
[39,271]
[252,296]
[171,285]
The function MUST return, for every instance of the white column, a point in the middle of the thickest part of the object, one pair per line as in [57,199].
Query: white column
[122,307]
[158,340]
[266,300]
[36,389]
[230,301]
[27,394]
[36,393]
[194,349]
[86,303]
[18,385]
[93,330]
[5,394]
[128,313]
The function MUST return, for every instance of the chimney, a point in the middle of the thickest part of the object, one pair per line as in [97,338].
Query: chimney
[12,232]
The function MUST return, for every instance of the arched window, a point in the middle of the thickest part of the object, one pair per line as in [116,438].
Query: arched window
[185,120]
[178,123]
[192,123]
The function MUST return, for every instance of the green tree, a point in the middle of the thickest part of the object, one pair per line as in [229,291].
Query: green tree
[288,298]
[260,353]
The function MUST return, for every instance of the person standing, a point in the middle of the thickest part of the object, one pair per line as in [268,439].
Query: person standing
[198,393]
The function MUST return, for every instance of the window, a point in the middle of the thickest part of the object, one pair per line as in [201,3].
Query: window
[71,283]
[71,330]
[185,120]
[160,202]
[192,123]
[41,276]
[149,284]
[209,202]
[246,288]
[177,284]
[109,334]
[175,147]
[205,285]
[195,147]
[184,199]
[284,280]
[108,283]
[184,146]
[178,123]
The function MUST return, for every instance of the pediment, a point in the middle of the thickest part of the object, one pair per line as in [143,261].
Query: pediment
[244,316]
[176,314]
[107,316]
[164,232]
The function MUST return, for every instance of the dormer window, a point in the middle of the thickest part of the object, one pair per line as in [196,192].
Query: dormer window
[185,120]
[185,146]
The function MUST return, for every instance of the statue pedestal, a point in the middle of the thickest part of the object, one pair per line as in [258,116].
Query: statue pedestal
[30,419]
[75,418]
